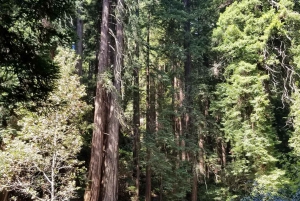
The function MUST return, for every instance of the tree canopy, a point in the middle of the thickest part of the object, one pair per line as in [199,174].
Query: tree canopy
[165,100]
[30,31]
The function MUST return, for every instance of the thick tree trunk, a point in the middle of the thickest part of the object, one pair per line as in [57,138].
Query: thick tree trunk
[110,181]
[100,118]
[110,177]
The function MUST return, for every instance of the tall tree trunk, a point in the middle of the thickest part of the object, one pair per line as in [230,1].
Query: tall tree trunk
[188,99]
[176,129]
[177,102]
[187,74]
[136,132]
[136,129]
[79,45]
[101,111]
[110,178]
[148,130]
[136,111]
[150,116]
[187,44]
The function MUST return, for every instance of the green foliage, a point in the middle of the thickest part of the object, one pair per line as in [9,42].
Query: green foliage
[242,97]
[30,31]
[40,160]
[253,41]
[295,114]
[171,175]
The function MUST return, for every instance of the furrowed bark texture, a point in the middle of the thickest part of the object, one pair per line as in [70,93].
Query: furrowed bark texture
[100,117]
[110,181]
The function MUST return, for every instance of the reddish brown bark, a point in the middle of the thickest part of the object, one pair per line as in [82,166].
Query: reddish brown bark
[110,178]
[100,117]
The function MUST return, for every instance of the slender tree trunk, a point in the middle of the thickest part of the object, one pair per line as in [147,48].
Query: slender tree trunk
[150,116]
[149,132]
[53,169]
[136,112]
[223,154]
[79,45]
[148,177]
[222,151]
[100,117]
[177,128]
[178,120]
[181,121]
[187,73]
[201,159]
[194,186]
[175,118]
[161,189]
[188,100]
[136,128]
[187,44]
[136,132]
[4,195]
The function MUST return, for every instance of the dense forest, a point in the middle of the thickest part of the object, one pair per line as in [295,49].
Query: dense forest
[154,100]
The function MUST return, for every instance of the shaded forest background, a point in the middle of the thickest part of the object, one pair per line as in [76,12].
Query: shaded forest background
[149,100]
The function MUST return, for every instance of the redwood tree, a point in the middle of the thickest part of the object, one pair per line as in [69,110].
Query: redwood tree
[110,177]
[101,112]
